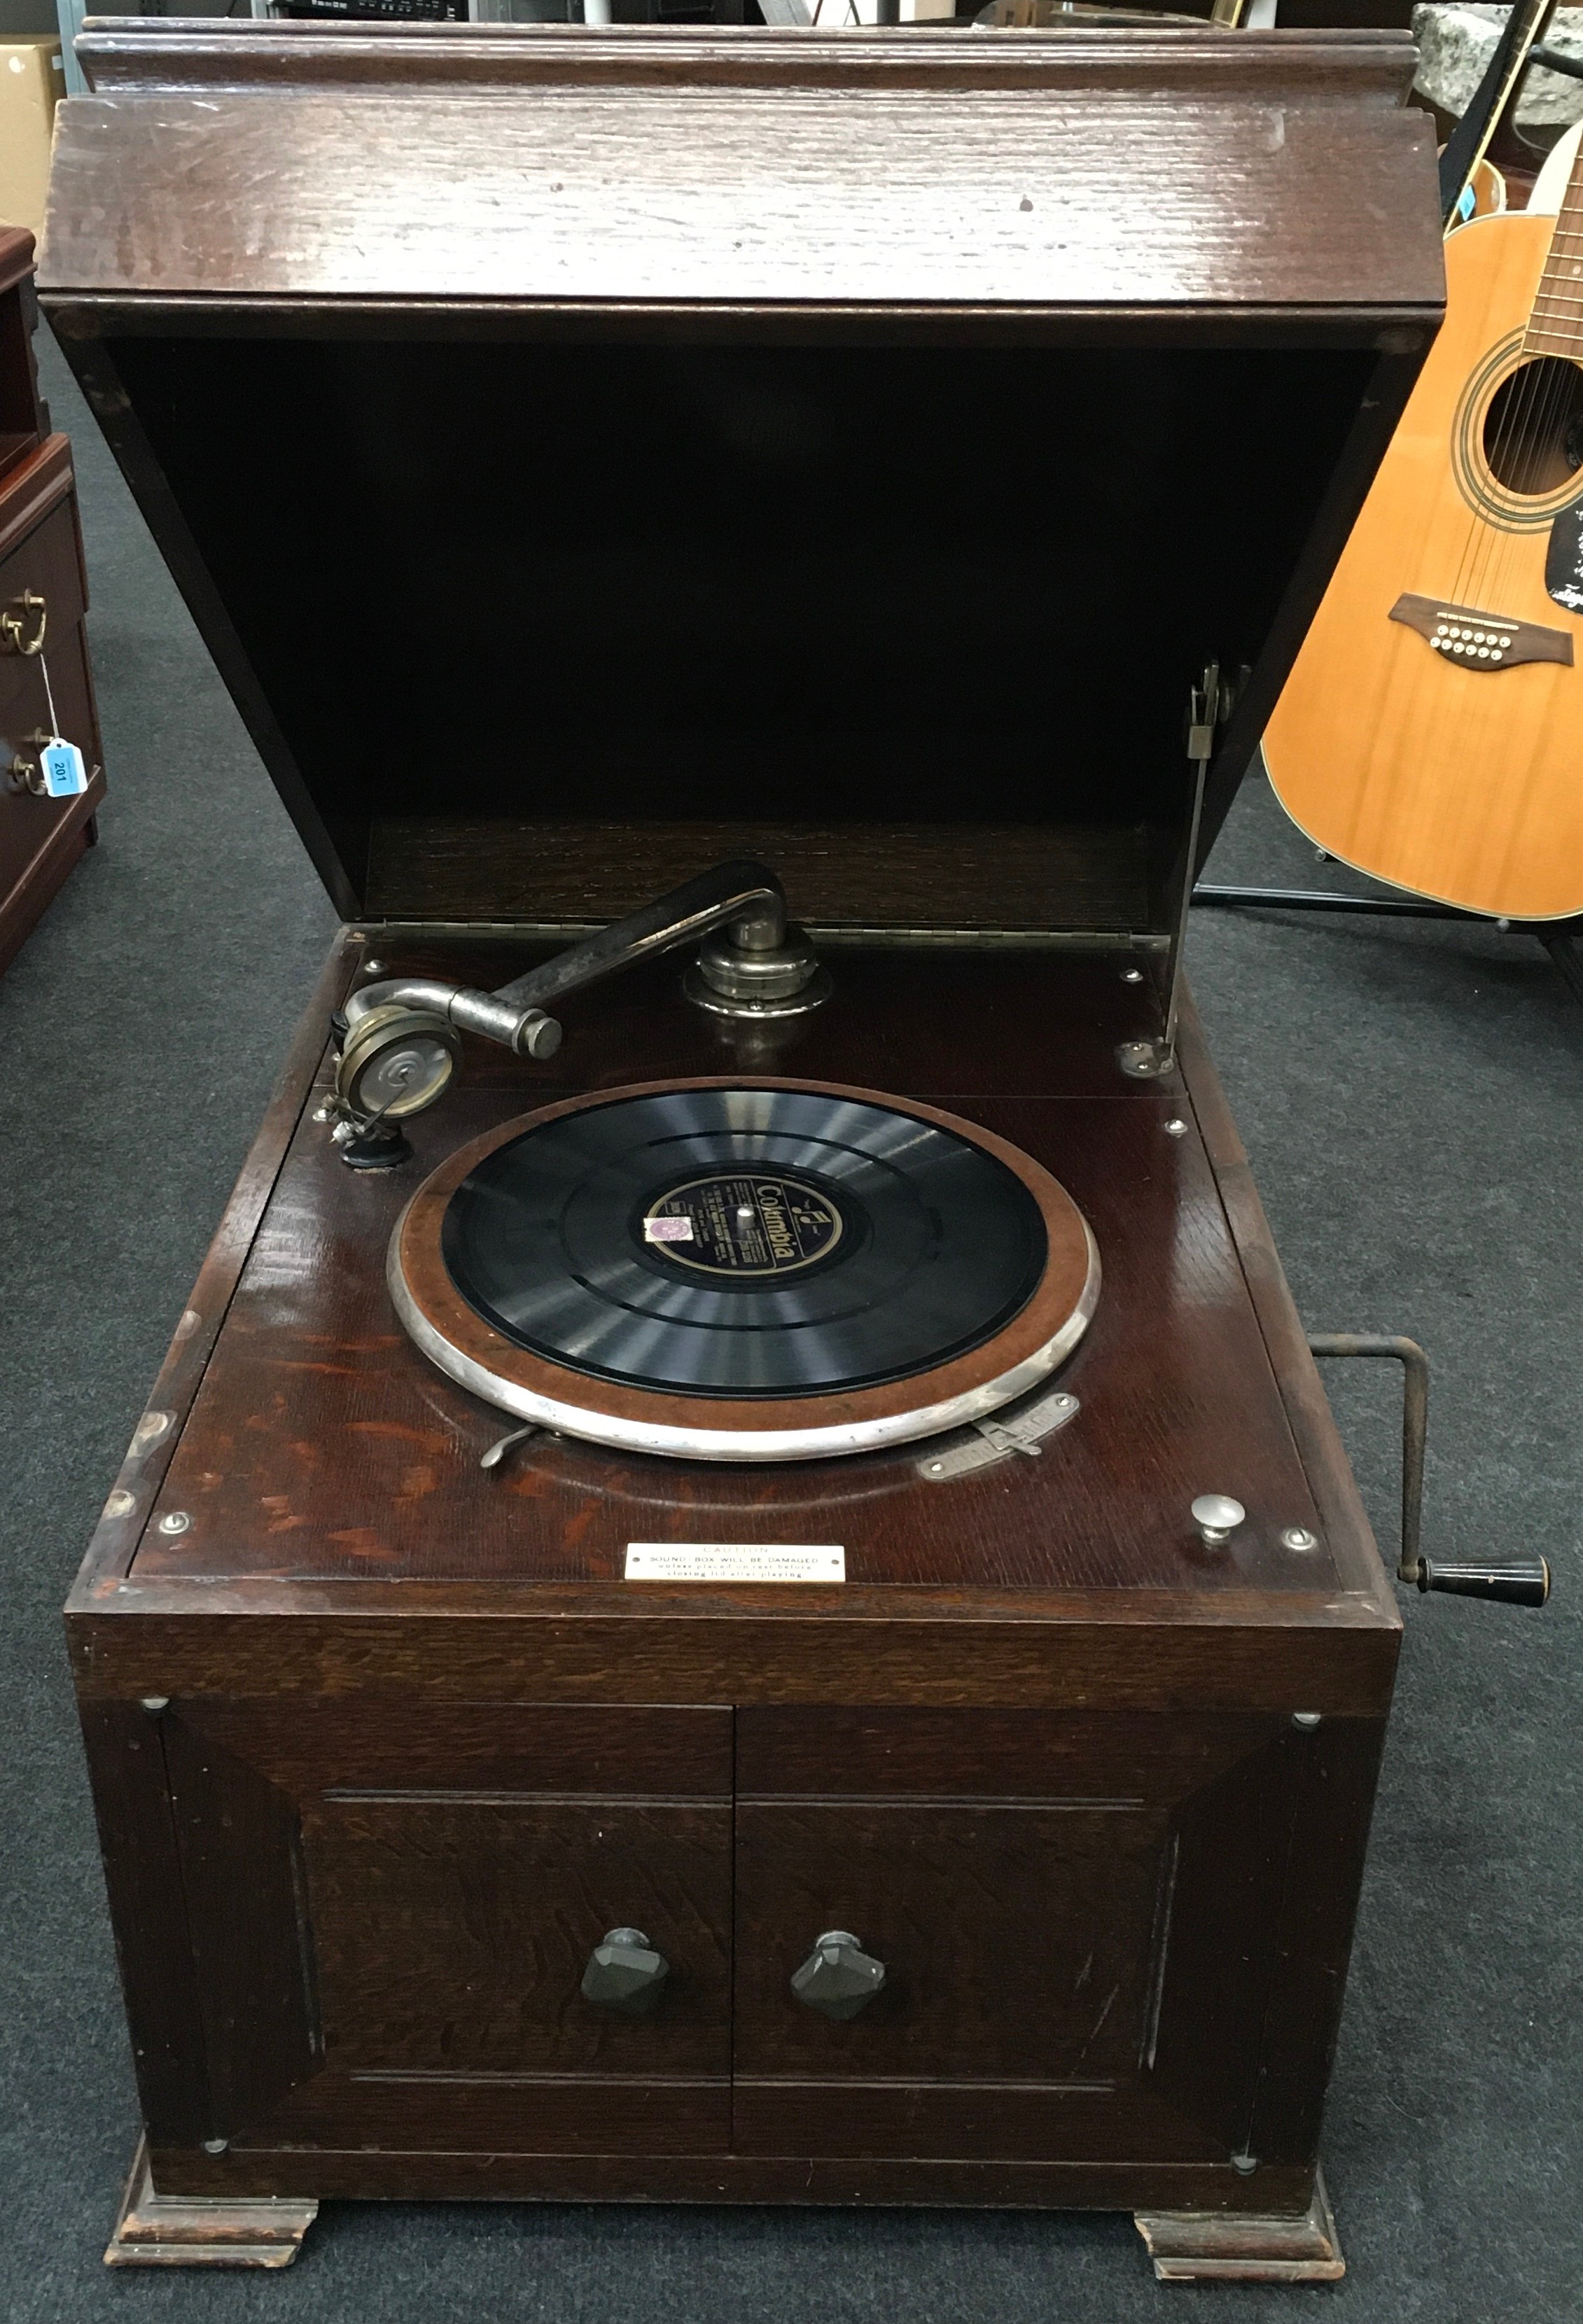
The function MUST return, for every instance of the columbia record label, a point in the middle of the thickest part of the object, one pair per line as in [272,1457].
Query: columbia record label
[747,1225]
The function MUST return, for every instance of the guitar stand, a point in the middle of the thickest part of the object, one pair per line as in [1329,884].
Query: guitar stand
[1562,939]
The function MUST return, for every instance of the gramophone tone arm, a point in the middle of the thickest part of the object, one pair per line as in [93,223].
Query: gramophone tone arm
[744,895]
[529,1031]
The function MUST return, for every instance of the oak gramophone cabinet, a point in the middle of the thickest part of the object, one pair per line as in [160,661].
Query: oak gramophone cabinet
[907,462]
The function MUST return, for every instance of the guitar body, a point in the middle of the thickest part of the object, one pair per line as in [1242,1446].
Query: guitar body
[1410,741]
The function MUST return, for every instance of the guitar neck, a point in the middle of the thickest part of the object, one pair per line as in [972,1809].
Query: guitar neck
[1555,326]
[1470,140]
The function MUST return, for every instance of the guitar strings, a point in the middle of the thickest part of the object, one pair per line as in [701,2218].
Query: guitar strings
[1534,417]
[1541,417]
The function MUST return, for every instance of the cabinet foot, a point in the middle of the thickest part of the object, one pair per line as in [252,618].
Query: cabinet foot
[1244,2247]
[203,2230]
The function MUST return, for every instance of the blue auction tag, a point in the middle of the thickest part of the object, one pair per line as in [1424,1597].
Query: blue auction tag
[64,770]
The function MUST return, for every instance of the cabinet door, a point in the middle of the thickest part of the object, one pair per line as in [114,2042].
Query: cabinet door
[392,1910]
[1080,1918]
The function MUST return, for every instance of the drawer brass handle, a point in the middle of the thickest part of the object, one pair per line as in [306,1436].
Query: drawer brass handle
[26,774]
[625,1973]
[27,610]
[838,1978]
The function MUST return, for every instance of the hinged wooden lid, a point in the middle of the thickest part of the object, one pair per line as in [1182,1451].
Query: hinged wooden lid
[588,454]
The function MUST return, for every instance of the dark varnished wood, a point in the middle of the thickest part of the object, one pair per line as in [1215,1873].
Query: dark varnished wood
[360,1747]
[452,1932]
[583,1640]
[390,1915]
[1314,1931]
[318,1403]
[242,1876]
[1131,1759]
[936,1021]
[924,2121]
[1139,1971]
[154,2231]
[425,2174]
[1015,1941]
[41,556]
[882,206]
[909,279]
[143,1875]
[937,876]
[1040,1752]
[1071,1949]
[1127,1650]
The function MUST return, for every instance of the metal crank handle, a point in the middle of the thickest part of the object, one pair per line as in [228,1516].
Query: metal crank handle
[1510,1581]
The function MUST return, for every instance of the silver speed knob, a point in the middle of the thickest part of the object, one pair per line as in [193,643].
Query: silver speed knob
[1217,1516]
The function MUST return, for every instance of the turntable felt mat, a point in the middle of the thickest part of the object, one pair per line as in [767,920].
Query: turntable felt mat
[1411,1098]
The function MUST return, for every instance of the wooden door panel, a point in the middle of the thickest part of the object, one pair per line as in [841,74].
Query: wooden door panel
[1083,1968]
[1016,1939]
[452,1933]
[391,1906]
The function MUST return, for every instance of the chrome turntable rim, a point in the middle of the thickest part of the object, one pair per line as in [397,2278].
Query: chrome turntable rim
[830,1423]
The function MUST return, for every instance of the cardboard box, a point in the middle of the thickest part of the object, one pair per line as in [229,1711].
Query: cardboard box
[31,81]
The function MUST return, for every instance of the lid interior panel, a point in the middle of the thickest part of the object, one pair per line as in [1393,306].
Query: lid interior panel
[492,591]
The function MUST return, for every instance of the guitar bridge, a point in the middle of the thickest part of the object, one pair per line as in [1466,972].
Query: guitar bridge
[1479,640]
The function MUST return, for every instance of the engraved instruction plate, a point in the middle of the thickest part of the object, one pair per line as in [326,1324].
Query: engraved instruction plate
[735,1561]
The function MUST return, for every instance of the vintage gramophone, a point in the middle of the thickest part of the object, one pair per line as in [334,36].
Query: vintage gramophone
[760,1603]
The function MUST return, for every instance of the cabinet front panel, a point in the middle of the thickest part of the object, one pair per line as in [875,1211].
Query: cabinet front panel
[1016,1939]
[452,1935]
[1087,1968]
[392,1906]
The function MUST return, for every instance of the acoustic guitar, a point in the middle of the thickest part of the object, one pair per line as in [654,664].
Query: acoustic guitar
[1430,733]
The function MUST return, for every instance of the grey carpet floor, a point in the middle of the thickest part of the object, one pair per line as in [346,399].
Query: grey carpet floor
[1411,1098]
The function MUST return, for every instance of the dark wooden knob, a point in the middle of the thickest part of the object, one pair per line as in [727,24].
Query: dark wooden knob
[839,1977]
[625,1973]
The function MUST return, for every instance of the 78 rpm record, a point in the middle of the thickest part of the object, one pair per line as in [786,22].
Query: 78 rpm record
[778,1271]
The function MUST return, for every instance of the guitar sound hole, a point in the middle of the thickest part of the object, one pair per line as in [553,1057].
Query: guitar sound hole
[1533,428]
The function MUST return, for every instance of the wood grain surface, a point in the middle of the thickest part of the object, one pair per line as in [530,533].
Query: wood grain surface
[323,1445]
[427,2174]
[1097,1931]
[418,1745]
[937,876]
[879,170]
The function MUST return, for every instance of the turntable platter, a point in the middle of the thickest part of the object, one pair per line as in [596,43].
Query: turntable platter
[768,1271]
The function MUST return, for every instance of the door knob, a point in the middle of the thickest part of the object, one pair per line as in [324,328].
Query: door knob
[838,1978]
[625,1973]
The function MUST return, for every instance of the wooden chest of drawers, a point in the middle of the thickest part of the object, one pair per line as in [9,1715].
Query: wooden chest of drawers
[43,598]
